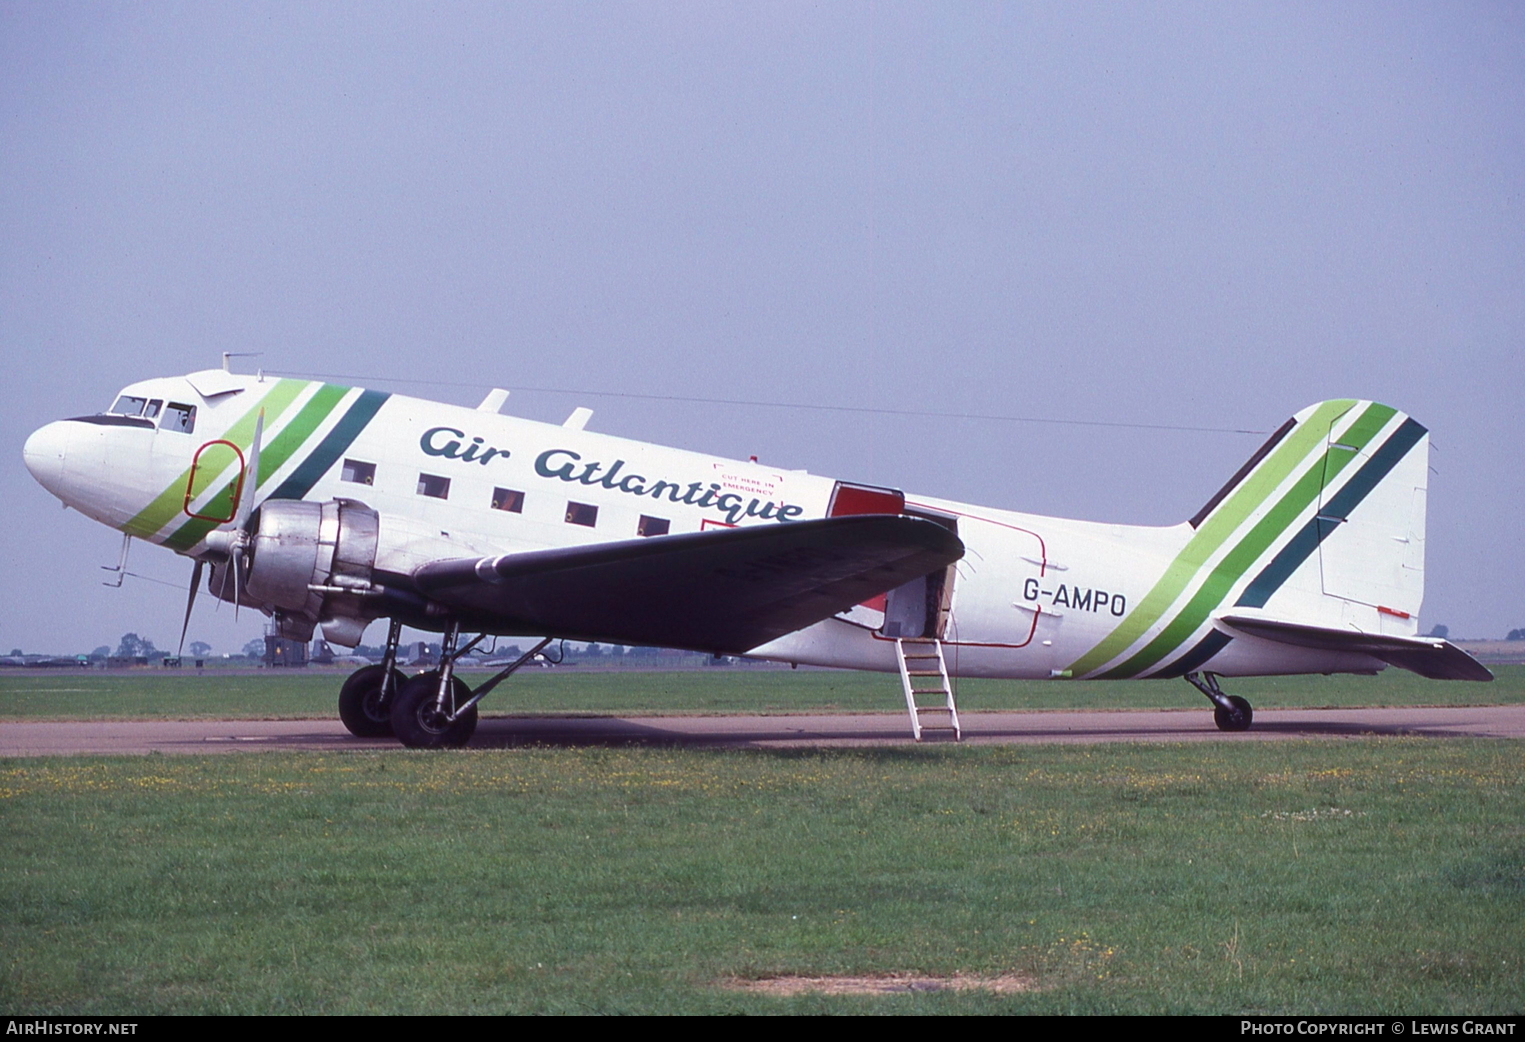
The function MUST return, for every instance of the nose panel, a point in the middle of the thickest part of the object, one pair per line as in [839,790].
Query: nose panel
[46,453]
[68,458]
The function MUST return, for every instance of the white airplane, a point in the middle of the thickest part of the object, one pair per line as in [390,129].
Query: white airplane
[330,506]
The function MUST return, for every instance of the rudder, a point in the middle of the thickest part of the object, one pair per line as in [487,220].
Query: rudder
[1352,551]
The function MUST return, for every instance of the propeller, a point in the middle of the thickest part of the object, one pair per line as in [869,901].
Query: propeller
[231,538]
[251,477]
[190,602]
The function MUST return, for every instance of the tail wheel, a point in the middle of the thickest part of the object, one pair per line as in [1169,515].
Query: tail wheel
[419,724]
[361,706]
[1236,719]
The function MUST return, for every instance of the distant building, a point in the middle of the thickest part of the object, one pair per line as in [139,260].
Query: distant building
[282,652]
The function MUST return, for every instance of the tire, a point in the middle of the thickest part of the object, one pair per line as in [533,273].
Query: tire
[416,723]
[1237,720]
[360,704]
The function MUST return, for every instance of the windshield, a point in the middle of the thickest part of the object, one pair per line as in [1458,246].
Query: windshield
[127,405]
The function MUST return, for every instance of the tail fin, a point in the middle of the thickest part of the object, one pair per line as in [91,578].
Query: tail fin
[1332,507]
[1318,540]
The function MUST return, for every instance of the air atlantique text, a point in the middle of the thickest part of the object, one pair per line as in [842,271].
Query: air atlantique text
[569,466]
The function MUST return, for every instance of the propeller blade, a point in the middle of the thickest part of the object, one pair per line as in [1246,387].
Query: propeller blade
[190,602]
[251,477]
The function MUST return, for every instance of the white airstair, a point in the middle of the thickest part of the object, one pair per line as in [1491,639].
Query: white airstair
[928,694]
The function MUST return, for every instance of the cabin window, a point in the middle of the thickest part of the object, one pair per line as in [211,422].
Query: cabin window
[128,405]
[585,514]
[653,526]
[365,474]
[508,499]
[151,411]
[179,418]
[433,486]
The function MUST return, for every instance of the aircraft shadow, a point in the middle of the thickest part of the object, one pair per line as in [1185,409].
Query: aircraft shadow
[713,732]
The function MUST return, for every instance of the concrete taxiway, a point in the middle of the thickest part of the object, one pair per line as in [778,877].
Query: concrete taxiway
[128,737]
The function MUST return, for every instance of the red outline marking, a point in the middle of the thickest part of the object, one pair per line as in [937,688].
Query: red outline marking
[1031,631]
[238,486]
[1042,546]
[1042,568]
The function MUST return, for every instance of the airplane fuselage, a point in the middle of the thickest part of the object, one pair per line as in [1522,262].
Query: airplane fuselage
[1032,596]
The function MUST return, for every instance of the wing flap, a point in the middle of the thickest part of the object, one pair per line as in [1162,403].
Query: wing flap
[722,591]
[1427,656]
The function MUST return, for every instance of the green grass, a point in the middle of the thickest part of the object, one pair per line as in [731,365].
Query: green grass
[1381,876]
[307,694]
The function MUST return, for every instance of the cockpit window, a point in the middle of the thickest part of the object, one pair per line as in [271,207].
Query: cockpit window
[127,405]
[179,417]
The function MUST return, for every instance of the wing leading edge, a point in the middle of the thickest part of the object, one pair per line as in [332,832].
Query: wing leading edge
[720,591]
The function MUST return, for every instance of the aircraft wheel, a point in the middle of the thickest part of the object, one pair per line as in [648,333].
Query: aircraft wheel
[360,704]
[1236,720]
[417,723]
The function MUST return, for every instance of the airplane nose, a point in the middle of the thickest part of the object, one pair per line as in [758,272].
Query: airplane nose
[45,453]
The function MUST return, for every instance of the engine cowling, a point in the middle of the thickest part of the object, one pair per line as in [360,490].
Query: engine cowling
[308,563]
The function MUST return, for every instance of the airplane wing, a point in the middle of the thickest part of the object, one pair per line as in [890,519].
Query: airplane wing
[1428,656]
[722,591]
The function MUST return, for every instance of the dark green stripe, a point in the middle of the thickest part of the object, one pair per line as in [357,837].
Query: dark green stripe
[1336,510]
[310,470]
[168,505]
[1306,440]
[1196,658]
[291,437]
[1238,561]
[331,447]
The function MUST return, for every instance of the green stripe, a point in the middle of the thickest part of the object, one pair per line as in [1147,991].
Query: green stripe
[332,446]
[169,503]
[291,438]
[1233,566]
[1331,513]
[298,430]
[1215,530]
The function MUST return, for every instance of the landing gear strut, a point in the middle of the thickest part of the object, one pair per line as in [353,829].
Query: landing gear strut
[437,709]
[1230,712]
[419,720]
[432,711]
[365,700]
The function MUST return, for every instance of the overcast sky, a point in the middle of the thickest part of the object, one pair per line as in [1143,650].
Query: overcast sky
[1199,215]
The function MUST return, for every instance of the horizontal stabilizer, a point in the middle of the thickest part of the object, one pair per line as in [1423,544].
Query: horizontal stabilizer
[1427,656]
[722,591]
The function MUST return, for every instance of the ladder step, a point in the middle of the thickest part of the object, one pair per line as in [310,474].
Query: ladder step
[938,721]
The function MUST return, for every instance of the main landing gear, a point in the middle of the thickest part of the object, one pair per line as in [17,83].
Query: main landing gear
[434,710]
[1230,712]
[365,700]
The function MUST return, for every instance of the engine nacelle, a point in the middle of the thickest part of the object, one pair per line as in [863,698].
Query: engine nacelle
[309,563]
